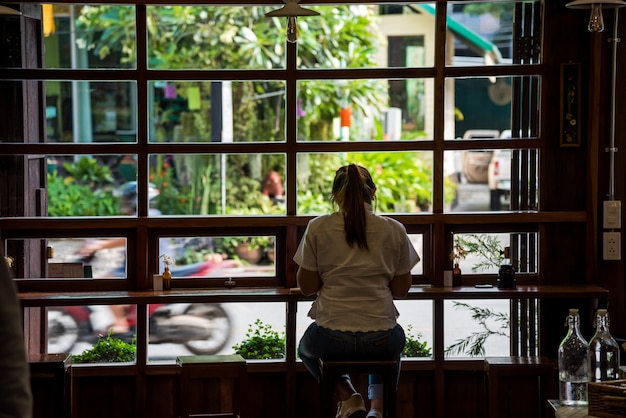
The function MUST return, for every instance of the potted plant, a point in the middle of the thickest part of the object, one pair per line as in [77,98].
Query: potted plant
[262,342]
[414,346]
[108,350]
[247,248]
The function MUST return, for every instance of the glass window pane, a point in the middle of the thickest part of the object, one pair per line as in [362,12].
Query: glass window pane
[217,111]
[365,110]
[481,107]
[76,329]
[477,328]
[98,258]
[89,36]
[214,37]
[92,185]
[367,36]
[91,111]
[484,253]
[205,328]
[403,180]
[218,184]
[416,317]
[418,242]
[224,257]
[482,33]
[481,180]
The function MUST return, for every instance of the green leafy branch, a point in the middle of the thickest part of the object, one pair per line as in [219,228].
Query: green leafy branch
[474,345]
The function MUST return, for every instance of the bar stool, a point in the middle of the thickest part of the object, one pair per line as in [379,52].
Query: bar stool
[331,370]
[504,372]
[226,400]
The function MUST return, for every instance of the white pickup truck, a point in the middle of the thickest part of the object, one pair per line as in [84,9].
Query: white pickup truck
[492,167]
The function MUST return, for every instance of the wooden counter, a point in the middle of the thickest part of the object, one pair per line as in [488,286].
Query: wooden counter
[33,299]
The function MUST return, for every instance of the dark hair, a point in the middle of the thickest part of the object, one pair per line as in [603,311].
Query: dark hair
[352,188]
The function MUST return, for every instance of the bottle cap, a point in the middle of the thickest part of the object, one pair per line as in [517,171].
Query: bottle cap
[573,311]
[602,312]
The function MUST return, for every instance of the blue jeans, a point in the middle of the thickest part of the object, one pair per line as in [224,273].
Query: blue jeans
[327,344]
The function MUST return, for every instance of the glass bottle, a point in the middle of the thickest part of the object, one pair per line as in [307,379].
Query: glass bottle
[167,278]
[456,275]
[603,350]
[574,370]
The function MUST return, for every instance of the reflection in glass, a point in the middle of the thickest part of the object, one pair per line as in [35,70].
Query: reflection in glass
[217,184]
[403,180]
[91,111]
[365,110]
[217,111]
[229,257]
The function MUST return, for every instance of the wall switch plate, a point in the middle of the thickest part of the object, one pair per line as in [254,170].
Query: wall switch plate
[612,214]
[611,247]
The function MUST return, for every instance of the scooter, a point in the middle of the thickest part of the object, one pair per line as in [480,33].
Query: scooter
[203,328]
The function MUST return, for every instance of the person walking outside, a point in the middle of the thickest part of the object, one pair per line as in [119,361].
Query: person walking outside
[356,262]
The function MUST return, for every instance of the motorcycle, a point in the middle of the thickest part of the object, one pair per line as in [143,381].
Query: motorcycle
[203,328]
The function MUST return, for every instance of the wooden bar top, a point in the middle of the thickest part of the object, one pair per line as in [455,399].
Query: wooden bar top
[33,299]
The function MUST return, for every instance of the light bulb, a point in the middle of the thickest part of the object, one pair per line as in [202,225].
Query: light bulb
[596,21]
[292,29]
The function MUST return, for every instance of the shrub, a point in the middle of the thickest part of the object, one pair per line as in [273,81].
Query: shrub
[414,347]
[108,350]
[261,342]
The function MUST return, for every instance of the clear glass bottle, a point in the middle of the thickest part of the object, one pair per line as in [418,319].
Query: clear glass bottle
[603,350]
[574,365]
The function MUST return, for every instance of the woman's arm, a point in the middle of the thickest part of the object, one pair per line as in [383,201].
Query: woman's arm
[400,285]
[308,281]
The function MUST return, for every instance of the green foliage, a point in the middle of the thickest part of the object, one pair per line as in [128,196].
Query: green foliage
[414,346]
[486,247]
[86,191]
[261,342]
[108,350]
[492,323]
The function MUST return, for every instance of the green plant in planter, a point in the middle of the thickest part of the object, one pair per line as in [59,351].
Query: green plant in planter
[262,342]
[232,246]
[414,346]
[108,350]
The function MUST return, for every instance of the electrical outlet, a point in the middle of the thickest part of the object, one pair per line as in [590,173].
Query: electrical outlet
[611,246]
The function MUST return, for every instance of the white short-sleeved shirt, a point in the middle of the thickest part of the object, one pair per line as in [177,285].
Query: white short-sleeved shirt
[355,294]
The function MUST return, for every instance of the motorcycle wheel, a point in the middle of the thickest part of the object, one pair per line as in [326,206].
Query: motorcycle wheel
[62,331]
[220,323]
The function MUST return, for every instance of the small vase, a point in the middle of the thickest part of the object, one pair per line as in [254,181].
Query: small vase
[456,275]
[167,279]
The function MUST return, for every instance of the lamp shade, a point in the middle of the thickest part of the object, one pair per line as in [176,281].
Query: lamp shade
[588,4]
[292,8]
